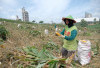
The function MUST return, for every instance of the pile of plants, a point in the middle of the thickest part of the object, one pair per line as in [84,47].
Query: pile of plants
[35,58]
[32,57]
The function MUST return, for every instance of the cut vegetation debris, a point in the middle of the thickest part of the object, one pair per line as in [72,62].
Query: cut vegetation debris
[52,46]
[40,58]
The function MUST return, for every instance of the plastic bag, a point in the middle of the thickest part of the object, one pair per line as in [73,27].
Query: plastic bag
[56,29]
[46,31]
[18,25]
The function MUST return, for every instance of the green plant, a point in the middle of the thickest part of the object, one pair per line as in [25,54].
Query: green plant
[86,34]
[21,27]
[35,32]
[3,32]
[95,49]
[1,41]
[52,46]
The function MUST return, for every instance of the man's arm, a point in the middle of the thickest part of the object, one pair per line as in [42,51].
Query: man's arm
[73,35]
[62,33]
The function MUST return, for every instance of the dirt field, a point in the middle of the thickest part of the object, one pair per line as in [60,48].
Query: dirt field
[21,37]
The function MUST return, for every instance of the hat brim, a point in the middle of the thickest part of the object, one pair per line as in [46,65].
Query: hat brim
[69,19]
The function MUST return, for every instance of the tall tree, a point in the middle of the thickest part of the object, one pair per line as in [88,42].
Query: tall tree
[41,22]
[84,23]
[33,21]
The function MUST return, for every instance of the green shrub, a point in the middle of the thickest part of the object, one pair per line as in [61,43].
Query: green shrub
[35,32]
[41,22]
[3,33]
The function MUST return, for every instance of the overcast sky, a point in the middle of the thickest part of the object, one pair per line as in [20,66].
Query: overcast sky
[49,10]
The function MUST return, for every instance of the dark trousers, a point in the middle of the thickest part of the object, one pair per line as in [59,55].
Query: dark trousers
[65,53]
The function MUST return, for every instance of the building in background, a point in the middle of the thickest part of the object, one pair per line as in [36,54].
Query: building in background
[17,18]
[92,19]
[25,15]
[88,15]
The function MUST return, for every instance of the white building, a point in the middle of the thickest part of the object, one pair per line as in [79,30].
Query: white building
[92,19]
[25,15]
[88,15]
[17,18]
[88,18]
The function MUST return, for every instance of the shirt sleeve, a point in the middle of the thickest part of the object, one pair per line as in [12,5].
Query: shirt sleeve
[62,32]
[73,35]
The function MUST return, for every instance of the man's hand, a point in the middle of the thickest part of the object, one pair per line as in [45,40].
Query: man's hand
[58,34]
[62,36]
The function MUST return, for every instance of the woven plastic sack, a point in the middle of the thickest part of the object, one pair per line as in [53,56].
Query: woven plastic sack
[84,52]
